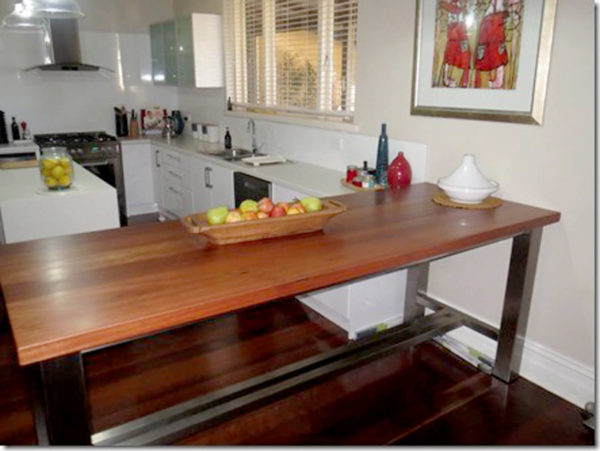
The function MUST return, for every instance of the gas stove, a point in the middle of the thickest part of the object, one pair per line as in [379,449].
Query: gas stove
[82,146]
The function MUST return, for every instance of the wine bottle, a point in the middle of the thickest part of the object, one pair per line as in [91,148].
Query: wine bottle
[227,139]
[15,130]
[382,157]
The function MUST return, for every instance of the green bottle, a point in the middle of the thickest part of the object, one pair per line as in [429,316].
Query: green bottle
[382,158]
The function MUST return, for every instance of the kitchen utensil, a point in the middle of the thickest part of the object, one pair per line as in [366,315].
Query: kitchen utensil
[121,128]
[169,129]
[376,187]
[467,184]
[134,128]
[264,159]
[178,122]
[18,164]
[259,229]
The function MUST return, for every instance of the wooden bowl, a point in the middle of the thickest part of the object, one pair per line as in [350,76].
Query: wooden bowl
[260,229]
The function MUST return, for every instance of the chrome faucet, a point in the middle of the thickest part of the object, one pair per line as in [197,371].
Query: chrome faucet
[252,130]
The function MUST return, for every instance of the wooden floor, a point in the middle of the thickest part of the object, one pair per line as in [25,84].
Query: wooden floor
[423,396]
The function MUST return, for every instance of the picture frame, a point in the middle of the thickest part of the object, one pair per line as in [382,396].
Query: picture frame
[436,93]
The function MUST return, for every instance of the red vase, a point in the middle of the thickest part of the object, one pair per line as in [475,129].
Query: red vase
[399,172]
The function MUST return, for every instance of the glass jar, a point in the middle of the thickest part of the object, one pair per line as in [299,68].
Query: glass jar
[56,168]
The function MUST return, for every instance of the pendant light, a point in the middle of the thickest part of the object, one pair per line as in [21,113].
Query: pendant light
[54,9]
[22,18]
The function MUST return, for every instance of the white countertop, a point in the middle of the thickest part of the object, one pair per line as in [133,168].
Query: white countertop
[314,180]
[26,184]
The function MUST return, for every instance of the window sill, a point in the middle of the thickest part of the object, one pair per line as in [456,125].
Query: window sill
[295,120]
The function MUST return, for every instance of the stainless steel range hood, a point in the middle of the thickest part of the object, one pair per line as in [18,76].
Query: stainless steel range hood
[64,49]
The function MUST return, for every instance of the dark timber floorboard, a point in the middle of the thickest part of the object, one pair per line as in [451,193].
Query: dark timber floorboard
[422,396]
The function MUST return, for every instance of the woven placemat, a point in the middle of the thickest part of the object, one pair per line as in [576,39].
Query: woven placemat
[489,203]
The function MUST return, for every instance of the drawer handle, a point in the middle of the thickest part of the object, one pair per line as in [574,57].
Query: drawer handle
[175,174]
[207,177]
[173,157]
[173,190]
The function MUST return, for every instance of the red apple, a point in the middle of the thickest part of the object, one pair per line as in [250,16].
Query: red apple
[283,205]
[278,211]
[265,205]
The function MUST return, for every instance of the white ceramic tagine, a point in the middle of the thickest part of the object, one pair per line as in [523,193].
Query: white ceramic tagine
[467,184]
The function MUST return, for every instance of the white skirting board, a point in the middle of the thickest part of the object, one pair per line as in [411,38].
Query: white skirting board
[555,372]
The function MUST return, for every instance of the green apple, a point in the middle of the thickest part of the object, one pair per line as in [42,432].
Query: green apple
[311,204]
[249,205]
[217,215]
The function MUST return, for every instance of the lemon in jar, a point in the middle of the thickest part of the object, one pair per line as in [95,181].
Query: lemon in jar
[65,162]
[48,163]
[57,172]
[64,181]
[50,182]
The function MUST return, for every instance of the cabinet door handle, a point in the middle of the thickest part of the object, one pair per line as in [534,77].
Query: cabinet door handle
[207,177]
[156,152]
[175,174]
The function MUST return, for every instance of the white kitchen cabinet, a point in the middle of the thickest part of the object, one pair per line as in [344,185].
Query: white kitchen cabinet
[357,306]
[138,175]
[157,177]
[188,51]
[212,185]
[281,193]
[176,185]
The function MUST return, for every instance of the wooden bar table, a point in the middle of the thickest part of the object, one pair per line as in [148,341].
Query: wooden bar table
[70,295]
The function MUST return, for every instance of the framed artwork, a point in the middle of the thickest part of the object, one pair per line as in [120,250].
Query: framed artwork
[482,59]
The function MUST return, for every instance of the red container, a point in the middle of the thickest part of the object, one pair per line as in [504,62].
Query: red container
[351,172]
[399,172]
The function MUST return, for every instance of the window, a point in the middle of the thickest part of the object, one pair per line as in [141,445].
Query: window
[292,56]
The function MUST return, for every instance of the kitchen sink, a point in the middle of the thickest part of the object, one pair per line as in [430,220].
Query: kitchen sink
[235,154]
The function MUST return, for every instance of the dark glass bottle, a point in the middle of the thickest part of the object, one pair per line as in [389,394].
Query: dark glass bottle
[15,130]
[382,157]
[227,139]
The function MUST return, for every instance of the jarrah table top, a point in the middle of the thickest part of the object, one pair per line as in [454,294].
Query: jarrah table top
[73,293]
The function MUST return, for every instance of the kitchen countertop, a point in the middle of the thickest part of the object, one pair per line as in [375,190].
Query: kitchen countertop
[308,178]
[26,184]
[74,293]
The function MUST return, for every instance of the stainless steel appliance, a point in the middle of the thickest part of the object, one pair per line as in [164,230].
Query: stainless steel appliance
[248,187]
[98,152]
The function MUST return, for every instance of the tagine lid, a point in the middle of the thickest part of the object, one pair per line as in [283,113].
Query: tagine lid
[468,175]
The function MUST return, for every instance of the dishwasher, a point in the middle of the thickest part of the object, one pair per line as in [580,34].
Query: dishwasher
[249,187]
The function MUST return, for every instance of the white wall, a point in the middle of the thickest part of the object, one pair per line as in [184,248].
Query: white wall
[124,16]
[83,101]
[550,166]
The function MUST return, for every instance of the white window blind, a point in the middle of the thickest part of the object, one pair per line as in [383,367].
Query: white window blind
[295,56]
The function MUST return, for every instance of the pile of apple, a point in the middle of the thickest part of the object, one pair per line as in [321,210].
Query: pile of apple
[265,208]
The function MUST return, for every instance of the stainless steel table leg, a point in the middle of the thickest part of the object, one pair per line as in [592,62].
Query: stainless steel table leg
[517,302]
[61,407]
[416,279]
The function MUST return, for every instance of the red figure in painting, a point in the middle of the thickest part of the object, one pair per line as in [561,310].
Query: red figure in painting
[457,52]
[491,47]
